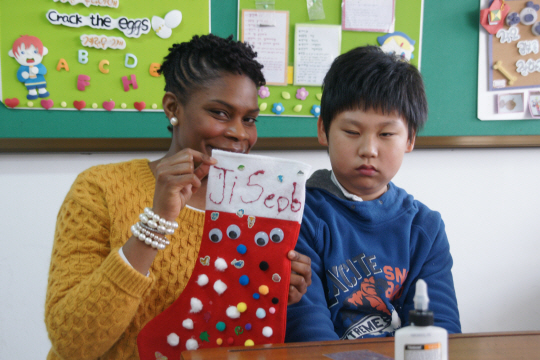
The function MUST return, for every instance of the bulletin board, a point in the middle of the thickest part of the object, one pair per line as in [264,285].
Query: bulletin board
[449,66]
[95,58]
[408,19]
[508,82]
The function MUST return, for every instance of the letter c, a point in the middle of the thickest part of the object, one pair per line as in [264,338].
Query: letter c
[101,64]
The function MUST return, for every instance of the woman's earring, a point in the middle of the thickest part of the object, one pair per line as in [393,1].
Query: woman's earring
[174,121]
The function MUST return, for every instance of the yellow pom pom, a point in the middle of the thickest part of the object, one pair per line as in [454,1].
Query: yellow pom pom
[241,307]
[263,289]
[249,343]
[219,341]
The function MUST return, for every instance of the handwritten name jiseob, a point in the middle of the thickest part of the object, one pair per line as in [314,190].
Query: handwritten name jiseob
[132,28]
[251,190]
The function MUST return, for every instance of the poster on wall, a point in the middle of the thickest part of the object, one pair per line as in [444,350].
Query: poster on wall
[91,55]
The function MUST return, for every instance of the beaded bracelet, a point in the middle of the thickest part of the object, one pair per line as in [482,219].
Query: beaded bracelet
[150,224]
[157,223]
[149,238]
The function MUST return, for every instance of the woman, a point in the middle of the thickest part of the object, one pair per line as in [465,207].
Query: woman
[103,289]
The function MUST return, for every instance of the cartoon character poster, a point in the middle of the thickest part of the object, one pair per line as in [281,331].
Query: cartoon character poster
[91,55]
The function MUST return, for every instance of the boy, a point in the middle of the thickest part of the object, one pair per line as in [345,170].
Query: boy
[368,240]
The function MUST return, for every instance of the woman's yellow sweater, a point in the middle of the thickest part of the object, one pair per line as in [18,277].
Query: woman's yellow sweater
[96,303]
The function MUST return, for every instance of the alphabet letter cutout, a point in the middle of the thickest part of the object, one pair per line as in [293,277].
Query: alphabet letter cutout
[237,293]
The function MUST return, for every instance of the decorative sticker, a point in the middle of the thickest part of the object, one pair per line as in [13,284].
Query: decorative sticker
[132,28]
[29,51]
[88,3]
[103,42]
[205,261]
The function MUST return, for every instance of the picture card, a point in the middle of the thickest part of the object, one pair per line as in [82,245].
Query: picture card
[534,103]
[315,48]
[369,15]
[510,103]
[268,33]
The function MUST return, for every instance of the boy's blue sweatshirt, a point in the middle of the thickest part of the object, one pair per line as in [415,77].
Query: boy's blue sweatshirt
[366,258]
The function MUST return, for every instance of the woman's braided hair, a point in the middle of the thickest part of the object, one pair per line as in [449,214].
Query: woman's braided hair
[191,65]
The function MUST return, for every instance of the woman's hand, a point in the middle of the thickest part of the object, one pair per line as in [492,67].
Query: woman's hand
[300,276]
[177,178]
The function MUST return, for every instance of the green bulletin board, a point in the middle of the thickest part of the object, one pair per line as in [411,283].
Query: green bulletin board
[449,65]
[408,15]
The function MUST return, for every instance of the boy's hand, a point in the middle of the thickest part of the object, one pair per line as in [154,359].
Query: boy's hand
[300,276]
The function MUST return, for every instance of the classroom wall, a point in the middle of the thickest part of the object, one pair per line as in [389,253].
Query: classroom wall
[489,199]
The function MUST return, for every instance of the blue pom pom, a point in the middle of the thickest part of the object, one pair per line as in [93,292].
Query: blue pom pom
[244,280]
[241,249]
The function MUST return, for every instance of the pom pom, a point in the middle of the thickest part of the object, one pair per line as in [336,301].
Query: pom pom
[188,324]
[267,331]
[263,289]
[261,314]
[202,280]
[272,310]
[192,344]
[244,280]
[220,264]
[173,339]
[242,306]
[233,312]
[220,287]
[196,305]
[249,342]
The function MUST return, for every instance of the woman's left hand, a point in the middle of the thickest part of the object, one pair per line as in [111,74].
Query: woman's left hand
[300,276]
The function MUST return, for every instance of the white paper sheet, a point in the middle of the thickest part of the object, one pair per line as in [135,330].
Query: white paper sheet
[268,33]
[369,15]
[315,48]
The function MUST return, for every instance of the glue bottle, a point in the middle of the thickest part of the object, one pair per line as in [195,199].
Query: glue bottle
[421,340]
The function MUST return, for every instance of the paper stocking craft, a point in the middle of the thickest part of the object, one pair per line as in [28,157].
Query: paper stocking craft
[237,293]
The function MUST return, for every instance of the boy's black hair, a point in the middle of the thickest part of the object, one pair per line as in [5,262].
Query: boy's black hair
[367,78]
[192,64]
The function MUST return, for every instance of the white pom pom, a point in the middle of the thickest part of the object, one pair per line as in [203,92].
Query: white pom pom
[202,280]
[196,305]
[220,264]
[173,339]
[267,331]
[188,324]
[220,287]
[232,312]
[192,344]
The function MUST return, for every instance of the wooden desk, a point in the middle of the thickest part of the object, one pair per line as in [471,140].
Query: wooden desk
[485,346]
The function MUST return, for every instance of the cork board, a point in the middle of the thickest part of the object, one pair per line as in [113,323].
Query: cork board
[518,51]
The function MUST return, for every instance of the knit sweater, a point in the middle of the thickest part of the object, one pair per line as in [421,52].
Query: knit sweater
[96,303]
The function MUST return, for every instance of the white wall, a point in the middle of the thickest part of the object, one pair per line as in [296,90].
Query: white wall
[489,199]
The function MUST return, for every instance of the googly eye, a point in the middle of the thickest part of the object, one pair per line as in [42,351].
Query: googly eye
[215,235]
[261,238]
[233,232]
[276,235]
